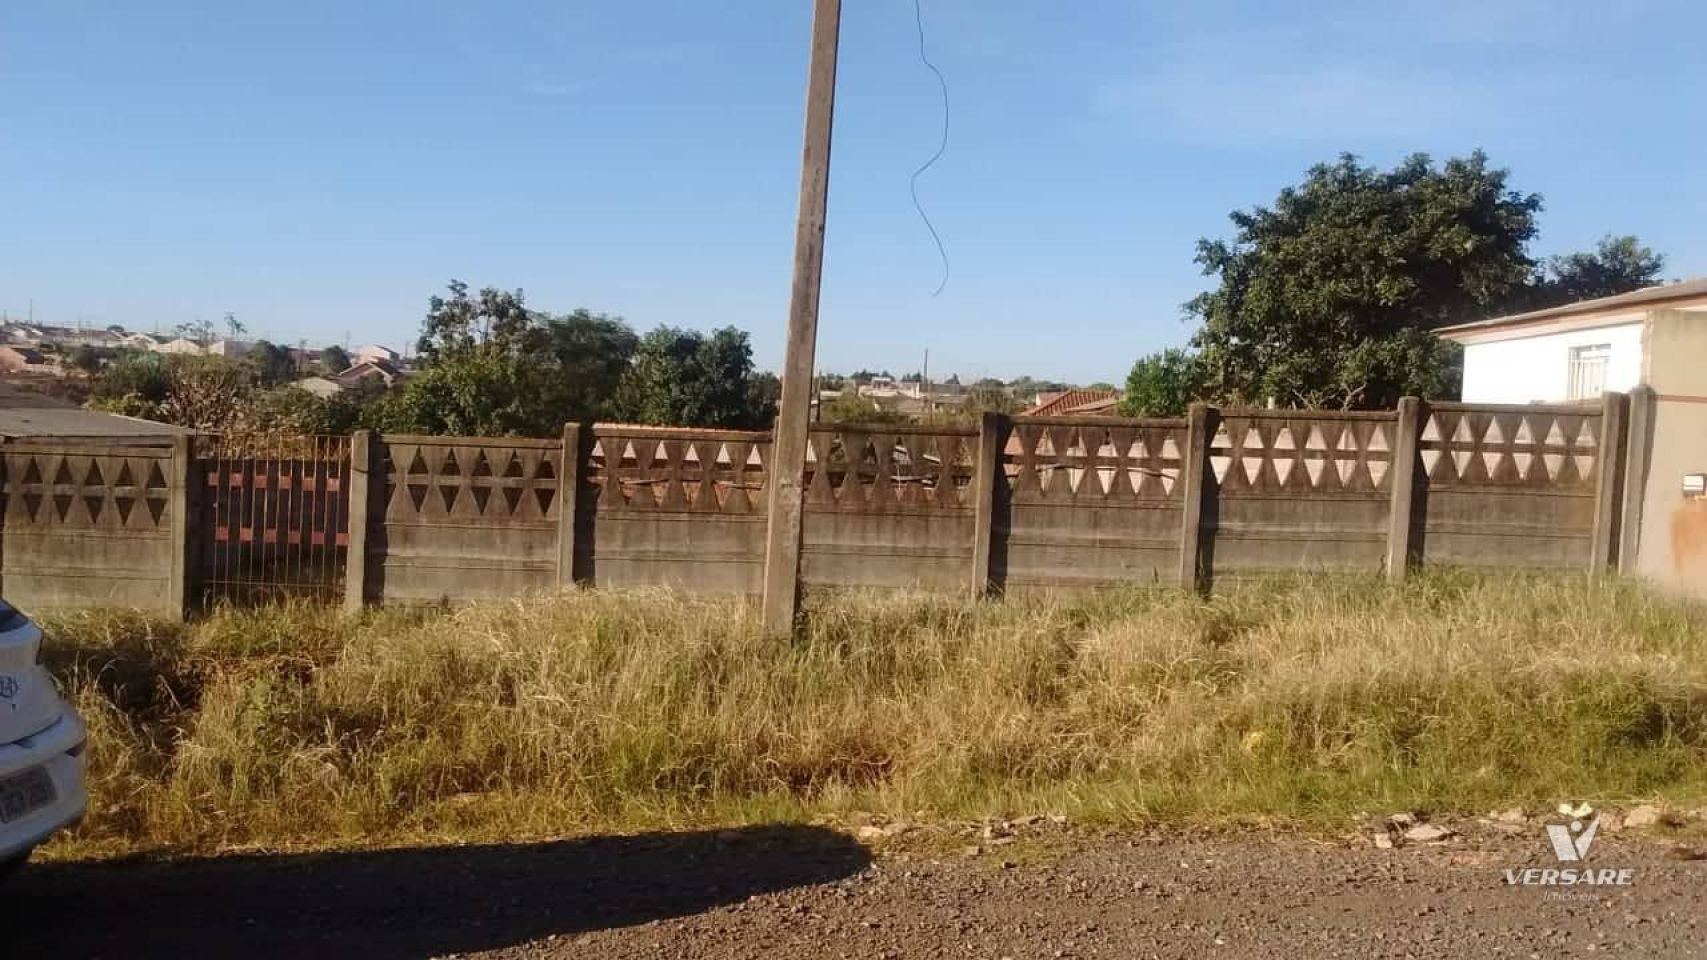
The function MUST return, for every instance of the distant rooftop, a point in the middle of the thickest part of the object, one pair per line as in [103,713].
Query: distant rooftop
[1056,403]
[26,414]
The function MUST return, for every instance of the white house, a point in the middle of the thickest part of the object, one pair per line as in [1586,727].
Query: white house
[183,345]
[1577,351]
[376,353]
[228,348]
[1655,339]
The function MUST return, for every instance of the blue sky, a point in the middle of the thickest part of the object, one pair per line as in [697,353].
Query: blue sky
[321,168]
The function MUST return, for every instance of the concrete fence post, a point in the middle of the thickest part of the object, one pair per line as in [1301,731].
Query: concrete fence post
[1609,476]
[362,449]
[568,502]
[1200,421]
[1638,449]
[987,483]
[181,574]
[1406,430]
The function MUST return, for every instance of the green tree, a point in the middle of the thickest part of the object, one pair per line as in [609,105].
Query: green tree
[1617,265]
[1328,298]
[1162,384]
[764,395]
[491,366]
[481,394]
[334,360]
[135,385]
[493,320]
[273,364]
[687,378]
[592,353]
[293,411]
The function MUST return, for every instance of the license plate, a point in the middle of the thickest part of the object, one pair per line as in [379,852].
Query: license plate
[24,793]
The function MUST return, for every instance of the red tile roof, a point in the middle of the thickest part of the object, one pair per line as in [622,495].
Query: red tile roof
[1103,405]
[1055,404]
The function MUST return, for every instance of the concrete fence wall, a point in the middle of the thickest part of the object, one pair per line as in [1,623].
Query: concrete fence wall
[1011,504]
[91,524]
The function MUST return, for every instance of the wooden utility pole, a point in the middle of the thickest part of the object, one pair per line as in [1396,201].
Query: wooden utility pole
[788,447]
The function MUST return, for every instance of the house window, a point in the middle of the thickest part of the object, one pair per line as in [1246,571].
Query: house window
[1588,370]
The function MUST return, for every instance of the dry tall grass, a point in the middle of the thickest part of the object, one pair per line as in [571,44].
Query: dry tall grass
[1298,698]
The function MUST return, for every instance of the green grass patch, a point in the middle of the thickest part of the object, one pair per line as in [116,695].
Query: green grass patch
[1301,698]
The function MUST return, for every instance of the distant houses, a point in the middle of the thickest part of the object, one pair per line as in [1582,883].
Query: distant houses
[363,372]
[40,349]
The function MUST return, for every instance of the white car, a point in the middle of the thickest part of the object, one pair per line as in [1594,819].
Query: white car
[41,746]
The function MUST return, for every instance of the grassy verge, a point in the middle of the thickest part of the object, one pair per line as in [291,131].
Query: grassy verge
[1301,699]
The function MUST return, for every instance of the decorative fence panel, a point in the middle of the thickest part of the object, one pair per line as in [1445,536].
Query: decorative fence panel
[679,508]
[1509,486]
[88,524]
[1090,502]
[462,519]
[888,506]
[1016,503]
[273,519]
[1290,489]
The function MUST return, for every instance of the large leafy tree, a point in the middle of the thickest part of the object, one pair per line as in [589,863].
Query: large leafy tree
[1617,265]
[492,321]
[689,378]
[491,366]
[592,353]
[1328,297]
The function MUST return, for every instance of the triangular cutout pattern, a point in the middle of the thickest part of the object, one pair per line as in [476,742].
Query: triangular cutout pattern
[683,471]
[83,492]
[1502,448]
[1098,463]
[1298,455]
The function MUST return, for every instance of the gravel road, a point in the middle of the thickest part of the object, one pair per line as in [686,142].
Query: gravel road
[803,892]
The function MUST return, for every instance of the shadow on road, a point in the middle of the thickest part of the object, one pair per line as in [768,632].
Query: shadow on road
[404,903]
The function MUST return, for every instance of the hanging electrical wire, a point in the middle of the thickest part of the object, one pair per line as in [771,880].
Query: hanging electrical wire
[942,148]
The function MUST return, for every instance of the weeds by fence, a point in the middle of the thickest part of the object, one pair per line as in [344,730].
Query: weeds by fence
[1302,698]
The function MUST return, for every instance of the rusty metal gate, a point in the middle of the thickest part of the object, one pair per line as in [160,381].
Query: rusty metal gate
[274,515]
